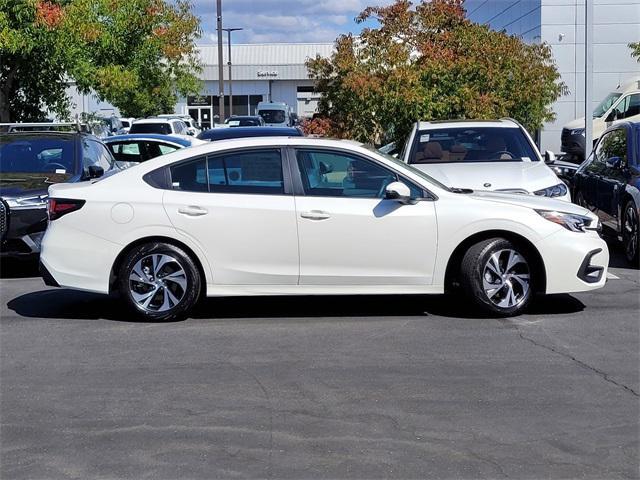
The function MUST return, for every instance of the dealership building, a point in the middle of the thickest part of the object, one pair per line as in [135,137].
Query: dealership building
[260,72]
[560,23]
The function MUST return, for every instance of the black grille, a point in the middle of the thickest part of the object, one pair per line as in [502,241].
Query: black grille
[3,219]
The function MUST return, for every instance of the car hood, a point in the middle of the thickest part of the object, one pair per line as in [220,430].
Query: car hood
[14,185]
[529,176]
[573,124]
[530,201]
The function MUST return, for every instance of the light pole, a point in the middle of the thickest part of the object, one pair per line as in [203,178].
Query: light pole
[220,66]
[229,30]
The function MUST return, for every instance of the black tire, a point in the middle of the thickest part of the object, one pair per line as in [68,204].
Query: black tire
[474,271]
[175,289]
[631,233]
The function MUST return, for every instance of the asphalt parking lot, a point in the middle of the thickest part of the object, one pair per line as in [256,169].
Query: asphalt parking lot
[327,387]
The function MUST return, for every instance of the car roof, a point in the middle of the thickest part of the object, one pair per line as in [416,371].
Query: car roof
[4,136]
[244,116]
[243,132]
[500,123]
[155,120]
[149,136]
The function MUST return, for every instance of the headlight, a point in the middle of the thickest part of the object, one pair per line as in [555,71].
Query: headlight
[20,203]
[559,190]
[570,221]
[577,131]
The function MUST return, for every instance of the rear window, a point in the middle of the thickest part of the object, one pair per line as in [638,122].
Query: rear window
[161,128]
[26,154]
[273,116]
[464,144]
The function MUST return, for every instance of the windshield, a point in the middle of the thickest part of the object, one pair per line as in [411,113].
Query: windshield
[161,128]
[125,123]
[470,145]
[27,154]
[404,166]
[272,116]
[606,104]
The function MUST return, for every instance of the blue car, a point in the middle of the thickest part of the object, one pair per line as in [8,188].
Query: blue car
[131,149]
[215,134]
[608,183]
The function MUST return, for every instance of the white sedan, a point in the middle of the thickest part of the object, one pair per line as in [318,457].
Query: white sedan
[302,216]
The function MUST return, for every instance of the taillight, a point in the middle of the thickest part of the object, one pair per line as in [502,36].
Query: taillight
[57,207]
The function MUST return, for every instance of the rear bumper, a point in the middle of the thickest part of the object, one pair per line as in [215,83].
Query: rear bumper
[574,262]
[46,276]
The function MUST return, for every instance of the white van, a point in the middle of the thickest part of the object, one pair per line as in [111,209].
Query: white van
[621,104]
[275,114]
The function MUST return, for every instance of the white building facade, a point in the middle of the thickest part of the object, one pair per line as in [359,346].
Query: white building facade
[260,72]
[560,23]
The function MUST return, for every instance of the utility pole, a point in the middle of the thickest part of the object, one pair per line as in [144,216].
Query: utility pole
[220,66]
[229,30]
[588,77]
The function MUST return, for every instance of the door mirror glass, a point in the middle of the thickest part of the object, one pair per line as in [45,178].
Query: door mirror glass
[549,157]
[95,171]
[614,163]
[398,191]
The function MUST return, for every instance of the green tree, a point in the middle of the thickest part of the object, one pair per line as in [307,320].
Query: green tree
[137,55]
[635,50]
[427,63]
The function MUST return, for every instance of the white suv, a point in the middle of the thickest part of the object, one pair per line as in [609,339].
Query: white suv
[161,126]
[496,155]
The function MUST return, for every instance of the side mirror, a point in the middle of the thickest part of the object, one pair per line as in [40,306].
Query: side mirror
[614,163]
[94,171]
[549,157]
[398,191]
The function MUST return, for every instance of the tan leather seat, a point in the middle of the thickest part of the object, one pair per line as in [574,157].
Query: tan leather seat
[431,153]
[457,153]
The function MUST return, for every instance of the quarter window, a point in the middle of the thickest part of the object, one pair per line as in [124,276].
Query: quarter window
[336,174]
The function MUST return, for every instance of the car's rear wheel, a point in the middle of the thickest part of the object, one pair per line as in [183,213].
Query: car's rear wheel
[631,233]
[498,276]
[159,281]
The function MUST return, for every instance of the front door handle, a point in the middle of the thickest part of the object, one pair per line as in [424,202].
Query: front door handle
[192,211]
[315,215]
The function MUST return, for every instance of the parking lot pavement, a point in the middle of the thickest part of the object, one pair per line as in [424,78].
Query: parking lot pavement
[327,387]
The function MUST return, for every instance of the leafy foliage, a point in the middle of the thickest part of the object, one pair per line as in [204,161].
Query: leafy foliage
[430,62]
[635,50]
[136,54]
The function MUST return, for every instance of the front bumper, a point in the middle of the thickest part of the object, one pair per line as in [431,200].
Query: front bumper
[574,262]
[22,230]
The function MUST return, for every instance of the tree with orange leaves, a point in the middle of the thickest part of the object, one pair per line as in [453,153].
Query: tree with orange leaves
[137,55]
[429,62]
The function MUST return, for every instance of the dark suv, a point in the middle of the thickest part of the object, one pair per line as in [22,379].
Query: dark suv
[29,163]
[608,183]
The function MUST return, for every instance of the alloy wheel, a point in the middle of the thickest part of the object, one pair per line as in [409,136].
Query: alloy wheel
[506,278]
[157,282]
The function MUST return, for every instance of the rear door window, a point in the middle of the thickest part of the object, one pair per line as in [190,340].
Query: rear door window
[256,171]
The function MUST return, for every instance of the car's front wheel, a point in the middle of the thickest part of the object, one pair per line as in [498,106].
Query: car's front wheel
[631,232]
[498,276]
[159,281]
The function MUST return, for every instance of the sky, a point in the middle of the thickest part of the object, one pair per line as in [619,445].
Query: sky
[267,21]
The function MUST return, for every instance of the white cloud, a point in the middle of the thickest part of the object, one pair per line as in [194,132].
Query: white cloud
[265,21]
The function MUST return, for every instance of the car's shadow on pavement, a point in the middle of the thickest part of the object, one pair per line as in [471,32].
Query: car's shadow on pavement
[71,304]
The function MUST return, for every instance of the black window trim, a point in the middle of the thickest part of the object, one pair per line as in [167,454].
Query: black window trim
[298,185]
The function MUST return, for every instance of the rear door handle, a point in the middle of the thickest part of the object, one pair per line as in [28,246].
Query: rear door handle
[192,211]
[315,215]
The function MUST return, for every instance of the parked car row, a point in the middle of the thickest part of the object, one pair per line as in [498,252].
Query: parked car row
[268,211]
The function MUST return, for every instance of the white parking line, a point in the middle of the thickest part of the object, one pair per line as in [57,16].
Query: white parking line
[611,276]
